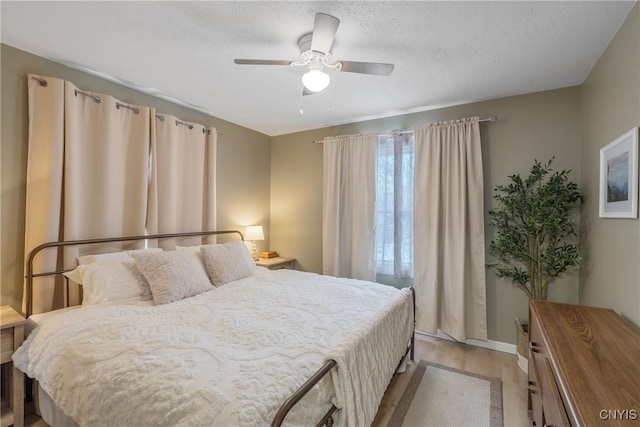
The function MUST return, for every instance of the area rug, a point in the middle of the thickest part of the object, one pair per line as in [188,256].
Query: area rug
[440,396]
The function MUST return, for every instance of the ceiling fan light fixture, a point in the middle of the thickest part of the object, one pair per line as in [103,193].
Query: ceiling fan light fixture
[315,80]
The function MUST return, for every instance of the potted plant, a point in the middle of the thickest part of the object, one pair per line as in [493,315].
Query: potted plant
[535,233]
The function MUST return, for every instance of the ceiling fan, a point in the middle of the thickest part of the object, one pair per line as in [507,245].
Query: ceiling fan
[315,53]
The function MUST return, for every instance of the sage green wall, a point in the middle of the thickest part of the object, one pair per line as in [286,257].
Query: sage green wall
[534,126]
[610,276]
[243,166]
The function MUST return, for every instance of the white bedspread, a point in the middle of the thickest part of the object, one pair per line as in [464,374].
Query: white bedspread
[227,357]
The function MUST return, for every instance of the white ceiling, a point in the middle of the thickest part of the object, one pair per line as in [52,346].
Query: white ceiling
[445,53]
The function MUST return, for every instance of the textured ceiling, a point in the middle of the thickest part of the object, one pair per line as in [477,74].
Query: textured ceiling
[445,53]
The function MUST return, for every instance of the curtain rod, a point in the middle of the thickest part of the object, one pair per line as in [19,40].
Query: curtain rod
[401,132]
[189,125]
[119,105]
[42,82]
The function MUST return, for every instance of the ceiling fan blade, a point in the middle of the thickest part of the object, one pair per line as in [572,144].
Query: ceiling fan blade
[260,62]
[375,68]
[324,31]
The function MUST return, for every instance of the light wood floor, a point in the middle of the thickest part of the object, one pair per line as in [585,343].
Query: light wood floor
[460,356]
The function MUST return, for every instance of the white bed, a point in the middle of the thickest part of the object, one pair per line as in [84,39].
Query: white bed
[225,357]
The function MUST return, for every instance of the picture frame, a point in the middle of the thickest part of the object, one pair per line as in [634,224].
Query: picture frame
[619,177]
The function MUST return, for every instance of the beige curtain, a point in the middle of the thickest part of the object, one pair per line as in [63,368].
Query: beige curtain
[87,173]
[107,147]
[449,230]
[44,182]
[182,180]
[348,217]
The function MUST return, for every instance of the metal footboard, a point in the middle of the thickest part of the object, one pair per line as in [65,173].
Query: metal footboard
[301,392]
[327,419]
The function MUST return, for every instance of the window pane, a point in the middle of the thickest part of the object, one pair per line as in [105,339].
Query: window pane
[394,204]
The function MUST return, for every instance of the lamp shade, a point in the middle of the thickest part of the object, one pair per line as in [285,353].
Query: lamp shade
[315,80]
[254,232]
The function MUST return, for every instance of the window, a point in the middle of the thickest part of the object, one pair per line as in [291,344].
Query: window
[394,206]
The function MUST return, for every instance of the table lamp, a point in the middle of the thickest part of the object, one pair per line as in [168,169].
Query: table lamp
[253,233]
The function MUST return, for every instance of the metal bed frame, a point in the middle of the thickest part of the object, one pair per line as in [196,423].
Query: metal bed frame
[327,419]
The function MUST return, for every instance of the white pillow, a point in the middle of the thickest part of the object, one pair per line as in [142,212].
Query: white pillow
[110,281]
[172,275]
[114,256]
[195,250]
[227,262]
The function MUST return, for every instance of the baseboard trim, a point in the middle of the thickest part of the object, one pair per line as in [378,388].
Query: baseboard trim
[489,344]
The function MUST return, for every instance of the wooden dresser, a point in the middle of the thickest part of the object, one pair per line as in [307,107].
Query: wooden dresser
[584,367]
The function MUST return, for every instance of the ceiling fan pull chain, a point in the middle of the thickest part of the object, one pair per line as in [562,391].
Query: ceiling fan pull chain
[301,99]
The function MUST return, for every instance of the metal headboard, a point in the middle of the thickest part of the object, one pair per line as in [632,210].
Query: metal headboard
[31,275]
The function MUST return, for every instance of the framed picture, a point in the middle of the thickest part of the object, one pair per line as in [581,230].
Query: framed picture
[619,177]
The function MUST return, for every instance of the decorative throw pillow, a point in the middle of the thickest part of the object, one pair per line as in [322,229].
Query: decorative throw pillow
[195,250]
[110,281]
[172,275]
[227,262]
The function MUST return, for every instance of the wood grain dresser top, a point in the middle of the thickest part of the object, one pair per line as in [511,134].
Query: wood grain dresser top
[596,355]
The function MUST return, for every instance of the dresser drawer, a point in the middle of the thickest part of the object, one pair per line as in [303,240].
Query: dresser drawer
[537,353]
[553,407]
[536,340]
[535,386]
[535,394]
[546,404]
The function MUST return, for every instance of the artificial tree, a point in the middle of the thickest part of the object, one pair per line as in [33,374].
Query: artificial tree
[535,229]
[535,233]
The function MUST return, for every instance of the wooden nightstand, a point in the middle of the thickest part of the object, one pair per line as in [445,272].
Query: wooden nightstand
[277,263]
[11,337]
